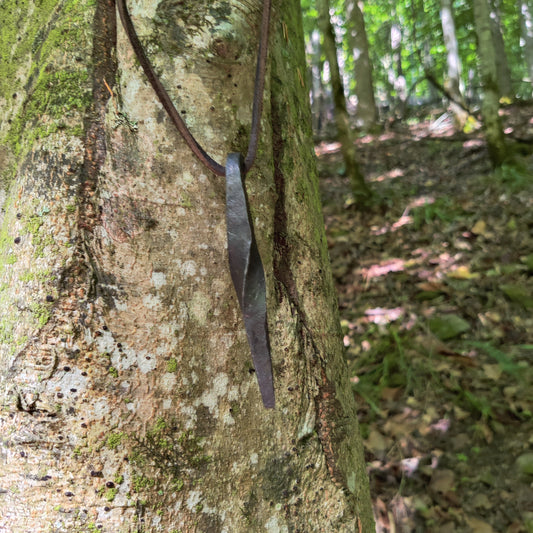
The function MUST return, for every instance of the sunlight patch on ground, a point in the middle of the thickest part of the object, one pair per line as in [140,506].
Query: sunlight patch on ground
[421,201]
[383,268]
[386,136]
[473,143]
[327,148]
[391,174]
[367,139]
[382,316]
[405,218]
[402,221]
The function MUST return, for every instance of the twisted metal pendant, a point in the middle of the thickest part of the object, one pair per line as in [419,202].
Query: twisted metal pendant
[248,275]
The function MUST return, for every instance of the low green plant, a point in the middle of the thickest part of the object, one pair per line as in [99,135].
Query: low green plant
[514,176]
[505,362]
[442,209]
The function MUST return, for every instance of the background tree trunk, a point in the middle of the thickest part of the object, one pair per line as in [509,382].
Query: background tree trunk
[488,73]
[366,112]
[453,83]
[396,76]
[318,94]
[345,135]
[129,402]
[453,60]
[502,65]
[526,27]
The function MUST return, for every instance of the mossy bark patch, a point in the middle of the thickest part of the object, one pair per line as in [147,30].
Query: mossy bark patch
[41,90]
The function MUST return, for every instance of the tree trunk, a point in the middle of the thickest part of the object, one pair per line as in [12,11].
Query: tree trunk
[396,77]
[453,83]
[128,398]
[526,26]
[488,73]
[502,65]
[366,112]
[345,135]
[318,100]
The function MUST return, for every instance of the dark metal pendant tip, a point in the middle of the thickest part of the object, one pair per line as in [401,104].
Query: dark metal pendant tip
[269,404]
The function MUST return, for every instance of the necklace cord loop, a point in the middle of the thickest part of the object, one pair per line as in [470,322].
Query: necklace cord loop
[259,87]
[245,264]
[171,110]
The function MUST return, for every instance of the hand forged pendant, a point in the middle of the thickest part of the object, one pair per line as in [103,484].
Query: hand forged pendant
[248,275]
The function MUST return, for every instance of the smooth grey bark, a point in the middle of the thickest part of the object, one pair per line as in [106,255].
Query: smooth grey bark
[453,60]
[366,111]
[128,401]
[345,135]
[453,82]
[502,65]
[396,77]
[317,93]
[489,75]
[526,27]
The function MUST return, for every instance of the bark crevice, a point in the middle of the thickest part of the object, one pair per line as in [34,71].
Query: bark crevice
[104,68]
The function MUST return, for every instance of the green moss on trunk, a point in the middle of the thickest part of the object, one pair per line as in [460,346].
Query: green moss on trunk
[47,94]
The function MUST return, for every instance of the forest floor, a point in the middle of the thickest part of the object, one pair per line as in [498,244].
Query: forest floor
[436,295]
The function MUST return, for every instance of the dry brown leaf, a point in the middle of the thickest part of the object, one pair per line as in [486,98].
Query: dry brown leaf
[480,228]
[390,393]
[431,286]
[431,344]
[376,442]
[462,272]
[493,372]
[460,414]
[442,481]
[478,526]
[481,501]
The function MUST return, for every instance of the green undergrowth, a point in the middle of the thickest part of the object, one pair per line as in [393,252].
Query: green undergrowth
[464,344]
[409,368]
[436,291]
[514,177]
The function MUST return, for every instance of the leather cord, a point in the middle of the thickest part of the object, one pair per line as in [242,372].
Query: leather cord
[163,96]
[245,264]
[259,87]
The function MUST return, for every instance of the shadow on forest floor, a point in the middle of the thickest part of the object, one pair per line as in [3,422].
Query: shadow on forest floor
[436,298]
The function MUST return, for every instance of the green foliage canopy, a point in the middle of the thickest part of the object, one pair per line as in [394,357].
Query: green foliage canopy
[422,44]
